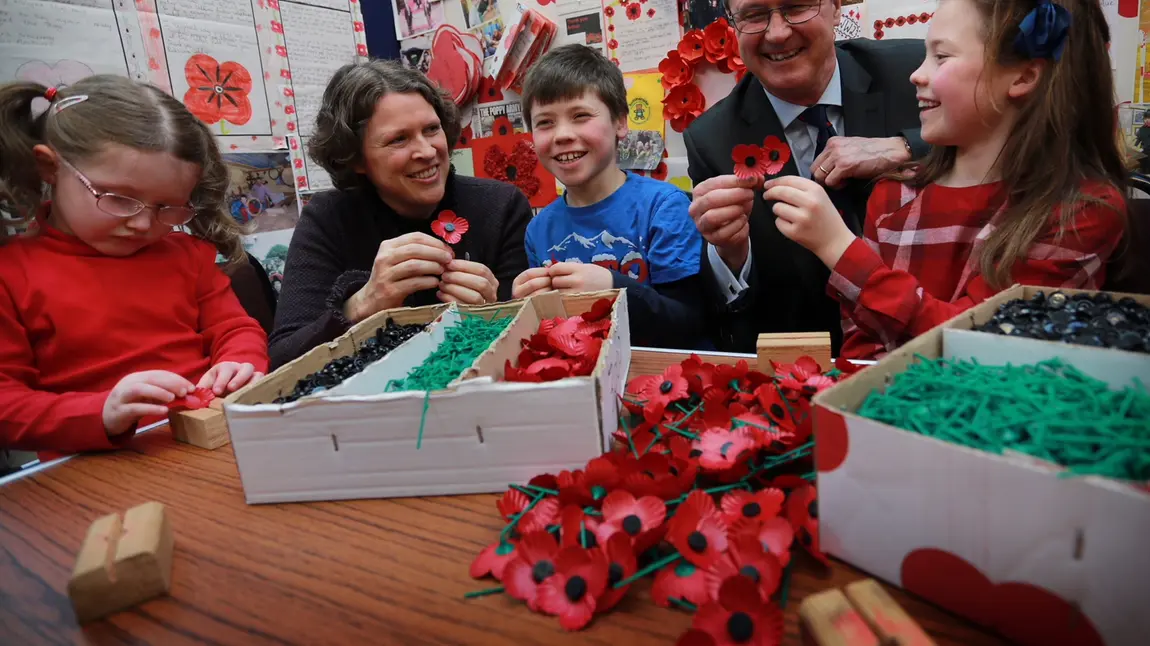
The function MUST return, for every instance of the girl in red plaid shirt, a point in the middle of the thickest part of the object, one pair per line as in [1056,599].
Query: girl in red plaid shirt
[1024,183]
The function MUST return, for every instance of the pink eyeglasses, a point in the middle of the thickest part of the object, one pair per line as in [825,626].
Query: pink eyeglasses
[123,206]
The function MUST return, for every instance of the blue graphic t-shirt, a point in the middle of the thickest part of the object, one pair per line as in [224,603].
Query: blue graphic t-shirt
[642,230]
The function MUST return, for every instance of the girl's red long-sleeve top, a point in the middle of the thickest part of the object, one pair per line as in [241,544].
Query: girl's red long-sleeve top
[917,266]
[73,322]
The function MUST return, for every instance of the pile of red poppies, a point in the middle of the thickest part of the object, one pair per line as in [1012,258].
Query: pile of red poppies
[708,490]
[715,44]
[563,347]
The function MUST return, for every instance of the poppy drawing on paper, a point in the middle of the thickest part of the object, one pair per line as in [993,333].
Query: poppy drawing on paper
[218,91]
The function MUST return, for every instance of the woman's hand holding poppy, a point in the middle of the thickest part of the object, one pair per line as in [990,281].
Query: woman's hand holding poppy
[721,209]
[404,265]
[468,283]
[804,213]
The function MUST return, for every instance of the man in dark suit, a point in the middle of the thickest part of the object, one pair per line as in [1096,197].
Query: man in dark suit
[848,114]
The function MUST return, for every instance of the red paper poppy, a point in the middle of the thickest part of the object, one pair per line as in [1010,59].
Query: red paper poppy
[695,638]
[802,369]
[577,529]
[740,616]
[621,564]
[217,91]
[465,137]
[450,227]
[682,581]
[489,90]
[715,39]
[545,481]
[774,405]
[609,12]
[721,449]
[195,400]
[639,519]
[734,59]
[776,536]
[588,487]
[361,49]
[658,475]
[517,168]
[682,122]
[683,100]
[660,172]
[750,161]
[691,47]
[634,11]
[698,534]
[502,127]
[512,502]
[778,154]
[533,564]
[493,560]
[802,506]
[580,578]
[675,71]
[661,389]
[745,507]
[846,366]
[746,557]
[544,514]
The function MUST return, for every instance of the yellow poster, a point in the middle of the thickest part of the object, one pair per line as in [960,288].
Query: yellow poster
[1142,66]
[644,102]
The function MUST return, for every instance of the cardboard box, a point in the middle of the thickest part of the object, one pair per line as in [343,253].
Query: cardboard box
[479,433]
[1000,539]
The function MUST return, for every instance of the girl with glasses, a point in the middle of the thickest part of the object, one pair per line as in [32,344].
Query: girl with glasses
[111,303]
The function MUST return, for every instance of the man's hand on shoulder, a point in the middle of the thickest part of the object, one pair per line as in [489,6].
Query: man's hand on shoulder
[858,157]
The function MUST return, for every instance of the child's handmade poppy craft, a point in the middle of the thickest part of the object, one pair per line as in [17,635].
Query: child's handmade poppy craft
[716,45]
[708,489]
[563,347]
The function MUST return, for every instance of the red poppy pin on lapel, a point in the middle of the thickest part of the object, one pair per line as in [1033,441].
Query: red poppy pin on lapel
[450,227]
[760,161]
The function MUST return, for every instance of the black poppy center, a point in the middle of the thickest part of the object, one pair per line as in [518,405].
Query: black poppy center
[751,572]
[666,387]
[588,538]
[512,173]
[674,471]
[813,509]
[632,525]
[740,627]
[575,589]
[542,571]
[694,453]
[697,542]
[773,155]
[752,509]
[751,162]
[450,228]
[726,447]
[614,574]
[777,411]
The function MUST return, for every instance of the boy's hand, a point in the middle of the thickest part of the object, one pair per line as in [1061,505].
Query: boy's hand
[142,394]
[806,215]
[469,283]
[532,281]
[229,376]
[580,277]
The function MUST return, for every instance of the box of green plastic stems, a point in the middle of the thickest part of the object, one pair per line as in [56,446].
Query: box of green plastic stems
[1007,538]
[380,433]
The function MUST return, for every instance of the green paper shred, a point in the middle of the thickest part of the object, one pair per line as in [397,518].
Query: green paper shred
[461,344]
[1050,410]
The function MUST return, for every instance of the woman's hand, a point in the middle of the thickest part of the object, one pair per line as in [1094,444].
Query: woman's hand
[532,281]
[229,376]
[806,215]
[139,395]
[410,263]
[468,283]
[580,277]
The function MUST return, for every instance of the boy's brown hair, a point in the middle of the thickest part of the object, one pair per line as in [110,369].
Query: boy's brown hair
[568,72]
[1066,132]
[117,111]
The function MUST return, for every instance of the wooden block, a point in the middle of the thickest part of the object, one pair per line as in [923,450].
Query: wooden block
[122,563]
[787,347]
[828,619]
[885,617]
[206,428]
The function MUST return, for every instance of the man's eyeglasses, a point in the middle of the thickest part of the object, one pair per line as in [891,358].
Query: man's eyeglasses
[123,206]
[758,19]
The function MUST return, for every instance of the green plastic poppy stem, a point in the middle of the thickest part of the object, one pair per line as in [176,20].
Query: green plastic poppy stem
[683,603]
[583,534]
[657,565]
[785,590]
[515,519]
[483,593]
[630,442]
[534,490]
[687,434]
[423,419]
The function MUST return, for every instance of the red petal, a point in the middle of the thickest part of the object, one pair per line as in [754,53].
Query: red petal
[512,502]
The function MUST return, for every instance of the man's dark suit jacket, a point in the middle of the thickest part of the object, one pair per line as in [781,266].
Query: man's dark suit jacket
[787,283]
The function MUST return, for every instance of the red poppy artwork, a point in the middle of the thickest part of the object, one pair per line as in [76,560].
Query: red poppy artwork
[489,90]
[675,71]
[501,127]
[634,11]
[707,490]
[716,36]
[750,161]
[512,159]
[217,91]
[449,226]
[691,47]
[683,104]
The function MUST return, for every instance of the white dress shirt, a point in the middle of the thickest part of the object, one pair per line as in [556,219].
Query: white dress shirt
[802,139]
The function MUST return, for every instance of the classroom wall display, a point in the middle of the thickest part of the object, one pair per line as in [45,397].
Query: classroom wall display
[262,197]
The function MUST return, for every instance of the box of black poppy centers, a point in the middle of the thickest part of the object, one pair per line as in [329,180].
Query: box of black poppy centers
[999,466]
[421,401]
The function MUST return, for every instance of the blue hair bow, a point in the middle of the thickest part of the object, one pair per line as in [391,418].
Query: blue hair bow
[1042,33]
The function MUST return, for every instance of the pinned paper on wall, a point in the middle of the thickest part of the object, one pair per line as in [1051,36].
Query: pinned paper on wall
[414,17]
[898,18]
[463,161]
[851,24]
[641,150]
[644,102]
[512,159]
[581,22]
[640,34]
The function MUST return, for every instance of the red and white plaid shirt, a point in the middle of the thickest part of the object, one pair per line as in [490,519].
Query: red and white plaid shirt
[916,265]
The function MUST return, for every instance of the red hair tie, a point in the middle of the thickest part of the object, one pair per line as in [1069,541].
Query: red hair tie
[50,94]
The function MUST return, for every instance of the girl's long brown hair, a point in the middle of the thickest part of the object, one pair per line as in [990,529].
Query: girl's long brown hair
[117,111]
[1067,132]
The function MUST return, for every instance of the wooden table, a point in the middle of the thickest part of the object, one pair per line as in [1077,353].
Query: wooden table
[356,572]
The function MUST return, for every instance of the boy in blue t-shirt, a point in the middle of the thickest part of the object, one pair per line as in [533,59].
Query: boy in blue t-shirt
[611,228]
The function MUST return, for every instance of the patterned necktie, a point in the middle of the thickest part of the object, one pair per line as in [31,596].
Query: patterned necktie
[817,116]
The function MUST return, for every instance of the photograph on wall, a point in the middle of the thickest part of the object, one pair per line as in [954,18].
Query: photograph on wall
[414,17]
[270,248]
[477,12]
[489,34]
[640,150]
[700,13]
[498,119]
[261,191]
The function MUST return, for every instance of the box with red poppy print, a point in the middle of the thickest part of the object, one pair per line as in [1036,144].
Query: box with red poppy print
[360,439]
[1006,540]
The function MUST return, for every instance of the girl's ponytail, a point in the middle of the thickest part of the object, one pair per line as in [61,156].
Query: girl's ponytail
[19,132]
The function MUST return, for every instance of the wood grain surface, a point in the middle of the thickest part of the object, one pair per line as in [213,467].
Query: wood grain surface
[355,572]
